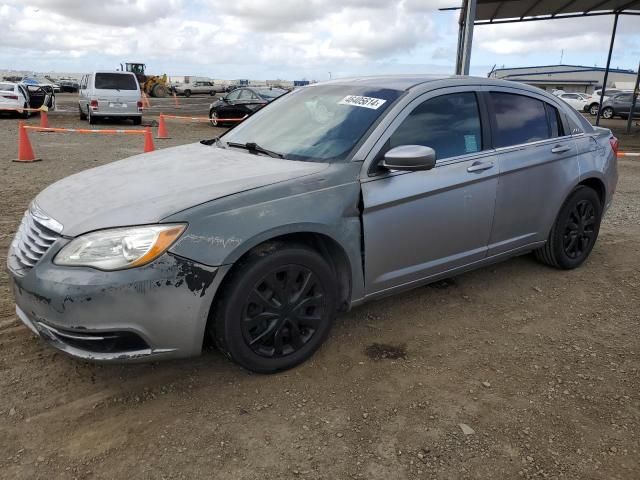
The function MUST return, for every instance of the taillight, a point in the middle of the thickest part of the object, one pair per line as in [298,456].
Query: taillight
[615,144]
[139,104]
[11,97]
[94,104]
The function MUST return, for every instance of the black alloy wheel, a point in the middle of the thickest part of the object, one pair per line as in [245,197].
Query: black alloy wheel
[283,311]
[575,230]
[580,230]
[275,308]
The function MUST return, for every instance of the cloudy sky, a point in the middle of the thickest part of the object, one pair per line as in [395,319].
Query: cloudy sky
[290,39]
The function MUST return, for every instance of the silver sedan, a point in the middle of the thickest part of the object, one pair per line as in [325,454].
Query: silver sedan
[330,196]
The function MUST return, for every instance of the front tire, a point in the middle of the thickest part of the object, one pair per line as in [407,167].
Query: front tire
[187,93]
[276,308]
[574,232]
[593,109]
[213,118]
[159,91]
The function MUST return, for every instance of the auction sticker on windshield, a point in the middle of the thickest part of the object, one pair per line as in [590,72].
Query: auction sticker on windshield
[359,101]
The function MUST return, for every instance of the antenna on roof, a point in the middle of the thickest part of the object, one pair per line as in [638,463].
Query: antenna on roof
[561,55]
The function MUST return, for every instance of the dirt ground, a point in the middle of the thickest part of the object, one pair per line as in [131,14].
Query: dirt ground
[542,365]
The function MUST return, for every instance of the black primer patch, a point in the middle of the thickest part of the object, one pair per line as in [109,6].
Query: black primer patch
[196,278]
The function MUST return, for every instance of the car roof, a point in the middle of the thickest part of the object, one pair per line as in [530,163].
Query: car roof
[113,71]
[408,82]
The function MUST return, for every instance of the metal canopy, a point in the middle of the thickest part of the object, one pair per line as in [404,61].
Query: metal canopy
[493,12]
[507,11]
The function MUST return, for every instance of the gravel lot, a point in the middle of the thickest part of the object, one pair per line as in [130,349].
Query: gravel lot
[541,365]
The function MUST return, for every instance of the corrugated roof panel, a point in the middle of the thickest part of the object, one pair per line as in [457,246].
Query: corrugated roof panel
[488,10]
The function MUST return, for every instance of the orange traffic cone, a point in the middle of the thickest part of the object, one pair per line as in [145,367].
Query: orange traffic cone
[162,129]
[44,119]
[25,152]
[148,141]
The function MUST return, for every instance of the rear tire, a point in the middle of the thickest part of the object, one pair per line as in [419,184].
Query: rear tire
[276,308]
[187,93]
[137,120]
[92,120]
[607,113]
[83,116]
[575,231]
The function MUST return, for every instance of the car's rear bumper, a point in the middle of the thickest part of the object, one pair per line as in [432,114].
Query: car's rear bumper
[105,112]
[153,312]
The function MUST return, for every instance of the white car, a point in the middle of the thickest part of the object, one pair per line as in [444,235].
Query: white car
[13,95]
[579,101]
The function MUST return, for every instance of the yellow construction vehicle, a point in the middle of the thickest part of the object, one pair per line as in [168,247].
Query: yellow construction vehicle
[152,85]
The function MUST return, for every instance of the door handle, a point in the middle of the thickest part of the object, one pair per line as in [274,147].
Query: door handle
[479,166]
[560,149]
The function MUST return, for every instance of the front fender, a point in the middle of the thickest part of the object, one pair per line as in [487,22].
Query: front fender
[222,231]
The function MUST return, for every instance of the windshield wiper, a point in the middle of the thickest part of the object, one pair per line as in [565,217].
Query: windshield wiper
[255,148]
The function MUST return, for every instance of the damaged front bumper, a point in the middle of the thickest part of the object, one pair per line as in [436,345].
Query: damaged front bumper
[153,312]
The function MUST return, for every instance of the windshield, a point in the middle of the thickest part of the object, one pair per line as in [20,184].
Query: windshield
[116,81]
[321,123]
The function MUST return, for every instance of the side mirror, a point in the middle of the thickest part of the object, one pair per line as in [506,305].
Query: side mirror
[410,158]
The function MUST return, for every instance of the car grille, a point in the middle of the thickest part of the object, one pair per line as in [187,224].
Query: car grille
[31,242]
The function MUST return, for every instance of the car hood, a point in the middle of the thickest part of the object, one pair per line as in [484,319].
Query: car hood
[147,188]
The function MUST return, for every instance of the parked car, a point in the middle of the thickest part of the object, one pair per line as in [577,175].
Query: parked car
[337,194]
[619,105]
[13,95]
[43,81]
[69,86]
[579,101]
[188,89]
[18,95]
[110,95]
[595,99]
[241,102]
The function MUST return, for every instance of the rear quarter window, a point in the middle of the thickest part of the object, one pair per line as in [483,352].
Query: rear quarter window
[115,81]
[518,119]
[6,87]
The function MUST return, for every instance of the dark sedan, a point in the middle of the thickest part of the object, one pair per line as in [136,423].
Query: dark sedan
[240,103]
[619,105]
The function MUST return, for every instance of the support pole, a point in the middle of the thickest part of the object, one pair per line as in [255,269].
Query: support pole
[634,99]
[467,39]
[458,70]
[606,72]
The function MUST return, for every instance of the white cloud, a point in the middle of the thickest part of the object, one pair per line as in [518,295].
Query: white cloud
[286,38]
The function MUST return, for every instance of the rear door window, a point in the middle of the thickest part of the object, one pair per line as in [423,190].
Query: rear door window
[233,95]
[450,124]
[518,119]
[115,81]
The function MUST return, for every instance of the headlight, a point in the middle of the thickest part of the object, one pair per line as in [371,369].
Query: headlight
[119,248]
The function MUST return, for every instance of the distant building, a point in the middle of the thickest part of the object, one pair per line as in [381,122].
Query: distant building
[570,78]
